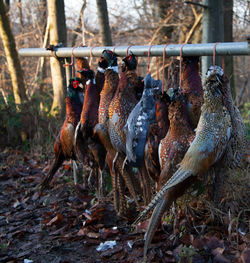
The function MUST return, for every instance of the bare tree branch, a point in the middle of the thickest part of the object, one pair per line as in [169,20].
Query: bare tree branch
[80,26]
[196,23]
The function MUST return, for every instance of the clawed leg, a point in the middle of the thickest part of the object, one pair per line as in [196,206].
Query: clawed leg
[218,184]
[101,184]
[130,180]
[76,175]
[92,180]
[122,199]
[114,181]
[114,161]
[146,185]
[124,163]
[153,224]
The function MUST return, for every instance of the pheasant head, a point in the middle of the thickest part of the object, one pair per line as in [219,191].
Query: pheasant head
[129,63]
[109,58]
[212,89]
[81,63]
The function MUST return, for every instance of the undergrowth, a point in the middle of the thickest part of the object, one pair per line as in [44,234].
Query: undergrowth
[196,214]
[40,129]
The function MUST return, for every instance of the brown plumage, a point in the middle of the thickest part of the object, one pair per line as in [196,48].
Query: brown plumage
[89,114]
[117,181]
[156,133]
[207,148]
[175,144]
[161,114]
[64,143]
[237,143]
[192,89]
[151,157]
[159,131]
[121,105]
[101,129]
[107,94]
[88,146]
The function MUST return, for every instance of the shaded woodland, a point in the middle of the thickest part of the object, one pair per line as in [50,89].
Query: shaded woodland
[73,214]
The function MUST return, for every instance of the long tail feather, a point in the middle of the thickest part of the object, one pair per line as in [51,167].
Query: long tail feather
[121,192]
[153,224]
[179,176]
[57,162]
[77,177]
[77,130]
[79,143]
[130,183]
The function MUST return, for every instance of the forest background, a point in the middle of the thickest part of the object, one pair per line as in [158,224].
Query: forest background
[99,23]
[51,227]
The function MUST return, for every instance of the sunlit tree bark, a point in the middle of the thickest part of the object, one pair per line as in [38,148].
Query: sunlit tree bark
[104,22]
[57,29]
[80,25]
[13,61]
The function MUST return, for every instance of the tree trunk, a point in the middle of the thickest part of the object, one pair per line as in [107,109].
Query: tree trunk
[213,29]
[7,5]
[13,61]
[20,11]
[80,26]
[160,9]
[103,19]
[228,37]
[57,28]
[45,31]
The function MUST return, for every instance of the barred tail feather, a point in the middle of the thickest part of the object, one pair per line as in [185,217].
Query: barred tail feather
[153,224]
[77,130]
[79,143]
[179,176]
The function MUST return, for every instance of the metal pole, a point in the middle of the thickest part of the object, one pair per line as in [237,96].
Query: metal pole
[213,28]
[205,49]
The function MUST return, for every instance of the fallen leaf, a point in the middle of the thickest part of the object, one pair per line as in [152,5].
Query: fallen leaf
[56,220]
[18,234]
[35,196]
[219,258]
[16,204]
[93,235]
[109,232]
[58,231]
[91,242]
[111,252]
[186,239]
[82,232]
[142,226]
[245,256]
[25,199]
[213,242]
[87,216]
[218,250]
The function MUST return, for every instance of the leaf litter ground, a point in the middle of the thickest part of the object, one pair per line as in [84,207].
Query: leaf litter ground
[66,224]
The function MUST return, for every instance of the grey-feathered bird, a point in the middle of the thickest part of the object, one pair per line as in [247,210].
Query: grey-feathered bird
[139,120]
